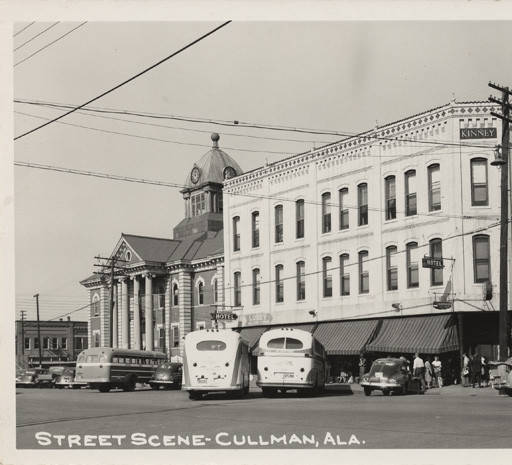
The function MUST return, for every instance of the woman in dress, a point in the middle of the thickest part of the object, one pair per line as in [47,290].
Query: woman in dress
[429,373]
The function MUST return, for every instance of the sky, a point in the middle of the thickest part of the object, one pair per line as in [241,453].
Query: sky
[333,76]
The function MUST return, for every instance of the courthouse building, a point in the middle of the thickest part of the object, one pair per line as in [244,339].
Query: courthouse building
[333,240]
[169,286]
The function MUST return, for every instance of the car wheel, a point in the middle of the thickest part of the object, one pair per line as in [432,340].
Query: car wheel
[367,391]
[385,392]
[129,386]
[194,395]
[104,388]
[155,387]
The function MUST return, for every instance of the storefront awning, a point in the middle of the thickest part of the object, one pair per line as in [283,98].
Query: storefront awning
[345,337]
[252,335]
[428,334]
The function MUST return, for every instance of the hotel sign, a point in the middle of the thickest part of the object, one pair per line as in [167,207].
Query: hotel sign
[226,316]
[431,262]
[478,133]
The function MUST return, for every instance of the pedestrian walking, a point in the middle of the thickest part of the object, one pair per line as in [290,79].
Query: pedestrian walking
[466,366]
[437,365]
[362,365]
[429,373]
[476,370]
[485,372]
[418,369]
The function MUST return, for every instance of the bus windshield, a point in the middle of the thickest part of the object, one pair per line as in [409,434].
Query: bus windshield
[289,343]
[211,345]
[91,359]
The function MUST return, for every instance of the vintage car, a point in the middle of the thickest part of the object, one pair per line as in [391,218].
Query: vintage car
[67,379]
[500,375]
[168,376]
[390,376]
[35,377]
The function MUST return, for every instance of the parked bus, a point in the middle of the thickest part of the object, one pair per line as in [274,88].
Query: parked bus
[104,368]
[290,359]
[215,360]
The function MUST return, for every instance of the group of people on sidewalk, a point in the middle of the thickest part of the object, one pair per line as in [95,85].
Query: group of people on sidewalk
[428,372]
[475,371]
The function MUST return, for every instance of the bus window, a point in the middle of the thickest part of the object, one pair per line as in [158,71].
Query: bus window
[81,357]
[102,358]
[92,358]
[211,345]
[115,360]
[292,343]
[277,343]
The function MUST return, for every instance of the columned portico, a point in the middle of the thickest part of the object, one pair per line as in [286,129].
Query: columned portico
[136,313]
[125,320]
[115,290]
[185,304]
[149,311]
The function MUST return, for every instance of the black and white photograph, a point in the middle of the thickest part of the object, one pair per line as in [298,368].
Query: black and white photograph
[257,239]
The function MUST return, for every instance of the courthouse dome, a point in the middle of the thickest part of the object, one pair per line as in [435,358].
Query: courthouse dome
[214,167]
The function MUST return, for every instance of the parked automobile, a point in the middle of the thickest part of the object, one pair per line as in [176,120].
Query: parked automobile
[390,375]
[67,379]
[500,375]
[168,376]
[35,377]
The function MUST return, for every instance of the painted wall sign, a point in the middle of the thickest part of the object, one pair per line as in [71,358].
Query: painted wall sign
[478,133]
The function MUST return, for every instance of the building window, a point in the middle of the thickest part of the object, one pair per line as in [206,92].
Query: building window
[255,220]
[364,275]
[175,330]
[362,204]
[55,342]
[198,204]
[436,251]
[479,188]
[80,343]
[411,250]
[278,220]
[256,292]
[301,280]
[434,187]
[161,338]
[299,219]
[344,275]
[327,276]
[326,212]
[391,268]
[279,284]
[46,343]
[64,342]
[237,287]
[343,196]
[200,293]
[36,343]
[96,341]
[481,258]
[390,195]
[410,193]
[236,233]
[27,343]
[175,295]
[200,325]
[215,291]
[95,305]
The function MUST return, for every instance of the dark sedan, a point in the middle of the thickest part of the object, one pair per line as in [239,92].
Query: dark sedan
[167,376]
[390,376]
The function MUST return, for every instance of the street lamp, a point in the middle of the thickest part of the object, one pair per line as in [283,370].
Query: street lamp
[498,157]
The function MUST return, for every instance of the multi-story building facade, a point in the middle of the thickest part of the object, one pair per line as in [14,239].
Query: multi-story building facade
[333,240]
[61,341]
[168,286]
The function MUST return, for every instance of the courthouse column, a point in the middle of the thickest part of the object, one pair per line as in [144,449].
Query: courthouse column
[115,290]
[125,317]
[149,312]
[136,313]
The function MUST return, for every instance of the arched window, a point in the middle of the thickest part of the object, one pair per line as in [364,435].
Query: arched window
[481,258]
[434,187]
[255,226]
[344,274]
[200,293]
[278,222]
[236,233]
[326,212]
[279,284]
[175,295]
[364,274]
[301,280]
[237,288]
[299,219]
[390,195]
[479,183]
[410,193]
[343,200]
[411,258]
[95,305]
[215,291]
[256,292]
[436,251]
[362,203]
[391,268]
[327,276]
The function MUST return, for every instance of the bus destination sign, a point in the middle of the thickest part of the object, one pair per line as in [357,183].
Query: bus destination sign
[432,262]
[478,133]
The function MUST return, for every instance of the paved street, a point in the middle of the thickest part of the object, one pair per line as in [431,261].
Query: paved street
[454,418]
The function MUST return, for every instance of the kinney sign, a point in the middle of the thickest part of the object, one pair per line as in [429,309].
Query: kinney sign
[478,133]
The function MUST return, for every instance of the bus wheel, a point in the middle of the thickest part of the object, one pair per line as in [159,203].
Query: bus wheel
[155,387]
[268,392]
[367,391]
[194,395]
[385,392]
[129,386]
[104,388]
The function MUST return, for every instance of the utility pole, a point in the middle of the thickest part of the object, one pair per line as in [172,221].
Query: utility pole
[39,333]
[23,334]
[503,161]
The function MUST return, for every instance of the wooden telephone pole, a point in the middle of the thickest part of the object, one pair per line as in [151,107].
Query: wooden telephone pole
[39,332]
[503,160]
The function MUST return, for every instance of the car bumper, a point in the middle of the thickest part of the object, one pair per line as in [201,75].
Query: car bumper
[236,387]
[289,385]
[381,385]
[162,382]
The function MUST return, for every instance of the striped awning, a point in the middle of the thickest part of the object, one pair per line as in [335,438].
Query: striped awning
[252,335]
[345,337]
[428,334]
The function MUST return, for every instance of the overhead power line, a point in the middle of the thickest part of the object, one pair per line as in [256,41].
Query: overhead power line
[240,194]
[23,29]
[51,43]
[263,126]
[144,71]
[37,35]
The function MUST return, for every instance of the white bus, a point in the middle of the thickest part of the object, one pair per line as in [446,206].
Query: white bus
[215,360]
[290,359]
[104,368]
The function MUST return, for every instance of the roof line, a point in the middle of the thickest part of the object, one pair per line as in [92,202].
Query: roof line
[150,237]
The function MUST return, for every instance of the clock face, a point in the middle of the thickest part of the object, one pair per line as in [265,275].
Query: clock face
[194,176]
[229,172]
